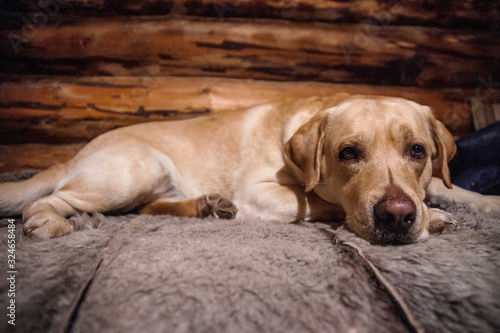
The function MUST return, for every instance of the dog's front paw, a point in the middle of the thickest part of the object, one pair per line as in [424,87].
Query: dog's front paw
[440,221]
[217,206]
[46,225]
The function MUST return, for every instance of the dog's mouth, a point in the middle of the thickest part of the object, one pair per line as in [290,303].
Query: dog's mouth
[396,218]
[394,230]
[386,229]
[382,236]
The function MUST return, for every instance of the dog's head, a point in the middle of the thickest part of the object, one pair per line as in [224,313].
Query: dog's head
[374,157]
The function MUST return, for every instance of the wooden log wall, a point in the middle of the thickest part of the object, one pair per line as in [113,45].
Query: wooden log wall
[73,69]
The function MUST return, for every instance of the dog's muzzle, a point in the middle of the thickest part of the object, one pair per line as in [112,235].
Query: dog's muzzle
[394,216]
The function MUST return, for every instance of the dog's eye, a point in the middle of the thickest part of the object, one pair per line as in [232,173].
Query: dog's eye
[418,152]
[348,154]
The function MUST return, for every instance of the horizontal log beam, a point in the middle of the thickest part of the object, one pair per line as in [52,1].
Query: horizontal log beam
[254,49]
[476,14]
[68,110]
[32,156]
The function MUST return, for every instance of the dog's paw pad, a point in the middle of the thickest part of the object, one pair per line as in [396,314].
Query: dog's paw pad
[217,206]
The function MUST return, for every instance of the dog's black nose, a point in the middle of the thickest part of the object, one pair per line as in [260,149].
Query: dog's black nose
[395,212]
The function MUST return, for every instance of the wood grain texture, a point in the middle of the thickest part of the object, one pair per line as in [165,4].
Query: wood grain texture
[67,110]
[35,156]
[476,14]
[73,69]
[254,49]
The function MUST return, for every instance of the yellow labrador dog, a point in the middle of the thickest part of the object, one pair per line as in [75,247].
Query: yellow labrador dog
[368,160]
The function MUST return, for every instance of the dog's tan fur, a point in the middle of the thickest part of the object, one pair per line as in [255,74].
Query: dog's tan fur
[278,161]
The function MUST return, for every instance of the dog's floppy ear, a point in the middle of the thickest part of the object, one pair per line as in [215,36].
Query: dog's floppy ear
[305,149]
[446,149]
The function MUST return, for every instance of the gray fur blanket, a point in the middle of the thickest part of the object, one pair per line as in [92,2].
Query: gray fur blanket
[163,274]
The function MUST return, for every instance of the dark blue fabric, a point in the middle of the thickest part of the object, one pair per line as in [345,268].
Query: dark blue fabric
[476,166]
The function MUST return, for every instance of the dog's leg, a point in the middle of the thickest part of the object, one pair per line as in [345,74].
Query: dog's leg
[437,192]
[115,178]
[281,203]
[204,206]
